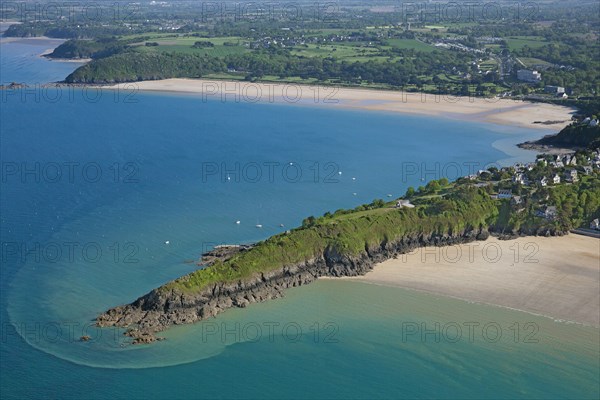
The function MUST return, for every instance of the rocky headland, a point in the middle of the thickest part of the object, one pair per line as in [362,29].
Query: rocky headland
[159,309]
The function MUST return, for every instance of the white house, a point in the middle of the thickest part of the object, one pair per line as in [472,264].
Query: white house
[595,224]
[519,178]
[571,176]
[556,179]
[544,181]
[404,203]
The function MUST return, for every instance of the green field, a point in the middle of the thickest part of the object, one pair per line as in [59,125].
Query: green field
[410,44]
[518,42]
[184,44]
[217,51]
[530,61]
[488,65]
[337,51]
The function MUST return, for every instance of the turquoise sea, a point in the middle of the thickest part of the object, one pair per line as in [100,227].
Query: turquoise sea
[103,199]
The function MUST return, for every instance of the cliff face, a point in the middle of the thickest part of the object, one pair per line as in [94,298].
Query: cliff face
[159,309]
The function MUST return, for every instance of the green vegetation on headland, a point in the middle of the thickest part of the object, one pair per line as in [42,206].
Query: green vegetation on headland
[574,136]
[145,66]
[135,66]
[582,133]
[350,233]
[521,200]
[75,49]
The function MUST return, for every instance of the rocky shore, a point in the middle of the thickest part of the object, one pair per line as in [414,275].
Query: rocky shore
[161,308]
[547,148]
[13,86]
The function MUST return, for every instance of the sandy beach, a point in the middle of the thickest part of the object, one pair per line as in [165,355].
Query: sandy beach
[557,277]
[497,111]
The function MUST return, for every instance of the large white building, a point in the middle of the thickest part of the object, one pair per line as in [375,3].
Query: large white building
[529,76]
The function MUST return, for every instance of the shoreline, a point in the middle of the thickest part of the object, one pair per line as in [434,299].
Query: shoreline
[551,285]
[516,113]
[44,54]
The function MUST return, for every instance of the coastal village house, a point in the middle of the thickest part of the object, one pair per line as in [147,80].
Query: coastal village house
[404,203]
[590,122]
[556,179]
[571,176]
[519,178]
[516,200]
[548,212]
[554,89]
[595,224]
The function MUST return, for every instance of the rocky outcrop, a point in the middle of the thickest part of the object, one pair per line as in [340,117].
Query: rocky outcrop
[222,253]
[13,86]
[162,308]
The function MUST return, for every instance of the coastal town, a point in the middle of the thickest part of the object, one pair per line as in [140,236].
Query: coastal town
[531,184]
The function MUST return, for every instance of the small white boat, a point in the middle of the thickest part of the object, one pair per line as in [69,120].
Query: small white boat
[339,172]
[167,242]
[238,222]
[353,178]
[259,225]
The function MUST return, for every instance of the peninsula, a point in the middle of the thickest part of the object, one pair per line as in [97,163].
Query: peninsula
[546,198]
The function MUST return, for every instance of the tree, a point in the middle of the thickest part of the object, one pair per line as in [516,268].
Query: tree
[308,222]
[410,192]
[378,203]
[433,186]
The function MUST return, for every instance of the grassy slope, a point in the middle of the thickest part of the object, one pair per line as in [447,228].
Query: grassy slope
[348,234]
